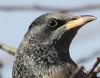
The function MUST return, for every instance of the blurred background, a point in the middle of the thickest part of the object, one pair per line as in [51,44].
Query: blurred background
[17,15]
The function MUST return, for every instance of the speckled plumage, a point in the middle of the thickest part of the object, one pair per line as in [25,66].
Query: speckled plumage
[44,51]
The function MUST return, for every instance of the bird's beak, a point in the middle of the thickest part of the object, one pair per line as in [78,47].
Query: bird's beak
[79,21]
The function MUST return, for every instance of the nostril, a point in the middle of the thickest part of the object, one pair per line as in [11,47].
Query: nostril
[75,18]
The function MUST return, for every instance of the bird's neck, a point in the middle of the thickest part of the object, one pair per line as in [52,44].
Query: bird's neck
[63,45]
[64,54]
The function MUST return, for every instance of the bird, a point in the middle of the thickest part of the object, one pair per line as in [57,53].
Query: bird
[44,50]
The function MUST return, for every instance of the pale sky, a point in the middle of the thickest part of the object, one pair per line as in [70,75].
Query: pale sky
[13,26]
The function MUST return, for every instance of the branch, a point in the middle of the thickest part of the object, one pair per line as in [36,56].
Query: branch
[44,8]
[90,74]
[8,49]
[1,66]
[87,58]
[76,72]
[98,69]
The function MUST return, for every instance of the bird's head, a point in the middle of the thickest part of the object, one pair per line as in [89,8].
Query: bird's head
[58,28]
[55,30]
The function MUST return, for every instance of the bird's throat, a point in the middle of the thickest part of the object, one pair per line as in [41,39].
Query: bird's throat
[63,44]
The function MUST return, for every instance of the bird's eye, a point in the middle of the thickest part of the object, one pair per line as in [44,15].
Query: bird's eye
[52,22]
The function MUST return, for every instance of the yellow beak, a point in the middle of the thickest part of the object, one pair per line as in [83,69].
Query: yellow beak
[79,21]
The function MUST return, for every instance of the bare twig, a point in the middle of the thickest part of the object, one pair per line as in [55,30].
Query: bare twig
[1,65]
[76,72]
[8,49]
[94,66]
[98,69]
[45,8]
[95,73]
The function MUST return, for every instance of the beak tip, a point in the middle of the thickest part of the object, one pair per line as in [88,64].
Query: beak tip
[93,18]
[89,17]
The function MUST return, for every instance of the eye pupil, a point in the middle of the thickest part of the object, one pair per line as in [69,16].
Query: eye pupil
[52,22]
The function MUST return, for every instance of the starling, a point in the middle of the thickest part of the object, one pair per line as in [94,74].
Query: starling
[44,51]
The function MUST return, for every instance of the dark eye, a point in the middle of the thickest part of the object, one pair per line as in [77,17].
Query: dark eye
[52,22]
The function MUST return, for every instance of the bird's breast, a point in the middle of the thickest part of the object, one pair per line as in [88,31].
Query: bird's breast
[55,72]
[55,75]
